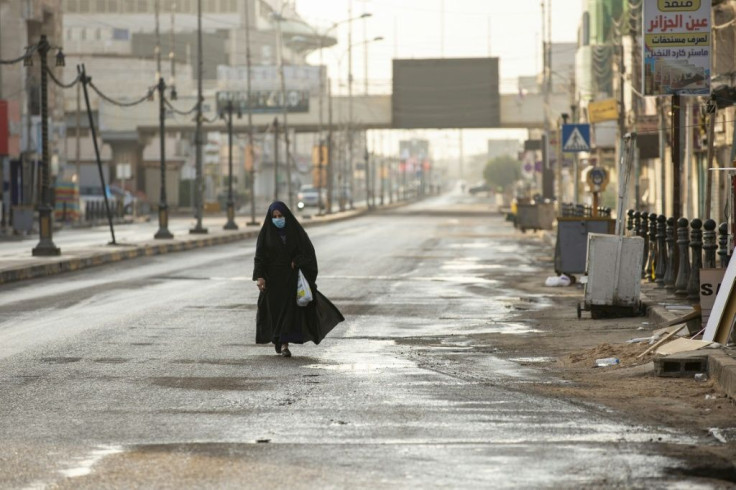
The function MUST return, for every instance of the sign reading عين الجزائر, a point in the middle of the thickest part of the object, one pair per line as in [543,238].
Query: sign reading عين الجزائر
[677,47]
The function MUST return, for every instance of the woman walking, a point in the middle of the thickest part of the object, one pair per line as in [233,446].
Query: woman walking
[283,248]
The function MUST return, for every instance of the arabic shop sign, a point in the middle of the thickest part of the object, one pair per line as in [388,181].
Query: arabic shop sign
[677,46]
[264,101]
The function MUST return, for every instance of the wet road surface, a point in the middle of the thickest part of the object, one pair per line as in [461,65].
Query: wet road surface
[145,374]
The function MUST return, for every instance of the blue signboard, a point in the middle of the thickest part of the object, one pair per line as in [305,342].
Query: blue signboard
[575,137]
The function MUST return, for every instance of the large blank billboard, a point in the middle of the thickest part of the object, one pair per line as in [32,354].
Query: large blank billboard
[445,93]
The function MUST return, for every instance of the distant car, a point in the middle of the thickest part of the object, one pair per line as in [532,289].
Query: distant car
[309,196]
[114,193]
[481,187]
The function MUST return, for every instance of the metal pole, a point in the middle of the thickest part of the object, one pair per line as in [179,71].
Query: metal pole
[85,80]
[45,246]
[172,53]
[251,152]
[275,158]
[712,110]
[320,159]
[662,153]
[285,104]
[676,203]
[350,101]
[330,193]
[230,225]
[163,208]
[199,194]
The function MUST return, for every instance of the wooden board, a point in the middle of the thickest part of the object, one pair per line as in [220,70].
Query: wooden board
[682,345]
[721,317]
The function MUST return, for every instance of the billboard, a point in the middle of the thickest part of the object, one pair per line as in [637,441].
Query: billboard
[445,93]
[264,101]
[677,47]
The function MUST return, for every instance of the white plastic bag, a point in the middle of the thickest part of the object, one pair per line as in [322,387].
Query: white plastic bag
[303,291]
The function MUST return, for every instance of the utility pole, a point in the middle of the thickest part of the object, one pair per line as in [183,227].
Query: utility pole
[330,177]
[172,54]
[350,100]
[285,104]
[199,198]
[46,246]
[157,48]
[320,142]
[251,153]
[275,158]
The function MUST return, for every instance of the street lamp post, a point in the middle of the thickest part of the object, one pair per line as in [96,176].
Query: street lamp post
[251,152]
[45,246]
[163,207]
[230,225]
[199,194]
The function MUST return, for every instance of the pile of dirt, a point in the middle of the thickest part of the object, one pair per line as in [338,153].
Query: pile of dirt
[627,355]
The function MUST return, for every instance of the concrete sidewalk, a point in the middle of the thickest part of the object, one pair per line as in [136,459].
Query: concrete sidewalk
[663,306]
[88,247]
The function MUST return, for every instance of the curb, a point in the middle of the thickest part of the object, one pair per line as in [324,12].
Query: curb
[722,369]
[87,258]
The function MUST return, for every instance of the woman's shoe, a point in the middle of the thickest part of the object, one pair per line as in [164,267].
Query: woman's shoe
[278,348]
[286,352]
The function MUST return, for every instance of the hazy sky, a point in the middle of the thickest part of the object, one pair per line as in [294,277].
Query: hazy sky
[508,29]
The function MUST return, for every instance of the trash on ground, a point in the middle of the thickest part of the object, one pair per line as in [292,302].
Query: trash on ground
[716,432]
[710,397]
[651,339]
[681,345]
[606,361]
[702,377]
[556,281]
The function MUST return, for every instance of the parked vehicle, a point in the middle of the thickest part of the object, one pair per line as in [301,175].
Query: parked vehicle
[309,196]
[114,194]
[480,187]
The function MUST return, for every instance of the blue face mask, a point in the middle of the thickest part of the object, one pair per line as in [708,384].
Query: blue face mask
[279,222]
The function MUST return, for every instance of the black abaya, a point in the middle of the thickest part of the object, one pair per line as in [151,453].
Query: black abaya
[279,319]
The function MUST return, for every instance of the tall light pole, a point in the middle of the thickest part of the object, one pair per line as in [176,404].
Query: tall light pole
[278,17]
[45,246]
[199,194]
[350,100]
[172,54]
[251,154]
[228,115]
[163,207]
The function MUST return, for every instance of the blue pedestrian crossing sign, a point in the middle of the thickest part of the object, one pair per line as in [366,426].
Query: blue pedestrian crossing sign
[575,137]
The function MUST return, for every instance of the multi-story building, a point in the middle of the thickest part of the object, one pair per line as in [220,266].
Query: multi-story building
[23,23]
[126,45]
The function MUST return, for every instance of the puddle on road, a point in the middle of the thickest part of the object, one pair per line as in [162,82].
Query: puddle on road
[214,383]
[60,360]
[532,360]
[83,466]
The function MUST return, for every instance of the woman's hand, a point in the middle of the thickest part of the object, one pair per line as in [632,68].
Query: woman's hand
[292,264]
[261,284]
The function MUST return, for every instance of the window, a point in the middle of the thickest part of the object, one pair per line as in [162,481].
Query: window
[211,6]
[129,6]
[98,34]
[142,6]
[112,6]
[83,6]
[83,34]
[121,34]
[72,6]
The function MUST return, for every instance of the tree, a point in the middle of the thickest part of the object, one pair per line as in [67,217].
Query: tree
[502,172]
